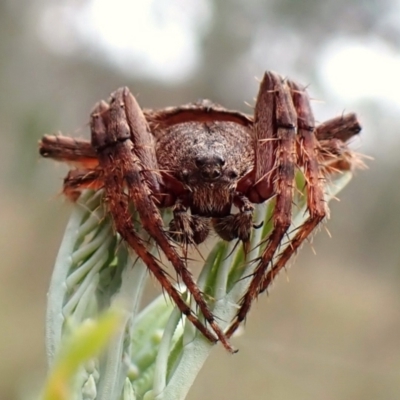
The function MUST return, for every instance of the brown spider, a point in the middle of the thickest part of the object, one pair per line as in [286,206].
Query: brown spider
[201,159]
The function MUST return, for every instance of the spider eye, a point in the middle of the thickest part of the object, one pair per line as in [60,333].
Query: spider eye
[185,174]
[221,161]
[232,174]
[200,161]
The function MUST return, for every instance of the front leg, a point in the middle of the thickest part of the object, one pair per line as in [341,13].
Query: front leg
[114,149]
[336,157]
[276,124]
[126,128]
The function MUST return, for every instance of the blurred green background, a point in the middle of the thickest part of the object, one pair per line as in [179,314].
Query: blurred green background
[333,330]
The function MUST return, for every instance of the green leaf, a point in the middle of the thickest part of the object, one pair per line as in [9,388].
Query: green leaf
[84,344]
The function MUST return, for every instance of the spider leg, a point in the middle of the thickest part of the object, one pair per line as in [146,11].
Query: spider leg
[334,154]
[77,152]
[126,128]
[308,160]
[332,134]
[343,128]
[109,151]
[275,116]
[308,151]
[80,179]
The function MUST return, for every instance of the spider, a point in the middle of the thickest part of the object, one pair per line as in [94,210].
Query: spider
[201,159]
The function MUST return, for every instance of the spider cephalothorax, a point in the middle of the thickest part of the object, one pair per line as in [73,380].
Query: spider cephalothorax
[202,163]
[201,160]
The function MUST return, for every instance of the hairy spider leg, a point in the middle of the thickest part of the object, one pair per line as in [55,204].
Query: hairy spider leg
[337,129]
[115,148]
[307,156]
[120,162]
[343,127]
[77,152]
[275,116]
[80,179]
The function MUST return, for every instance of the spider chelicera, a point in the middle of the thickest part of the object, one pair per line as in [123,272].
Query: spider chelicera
[201,160]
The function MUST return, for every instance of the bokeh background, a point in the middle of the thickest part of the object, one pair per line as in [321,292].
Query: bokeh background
[333,331]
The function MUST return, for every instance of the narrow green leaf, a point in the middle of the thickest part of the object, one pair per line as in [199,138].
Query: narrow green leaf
[83,344]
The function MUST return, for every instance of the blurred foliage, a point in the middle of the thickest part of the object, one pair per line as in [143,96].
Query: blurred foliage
[333,331]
